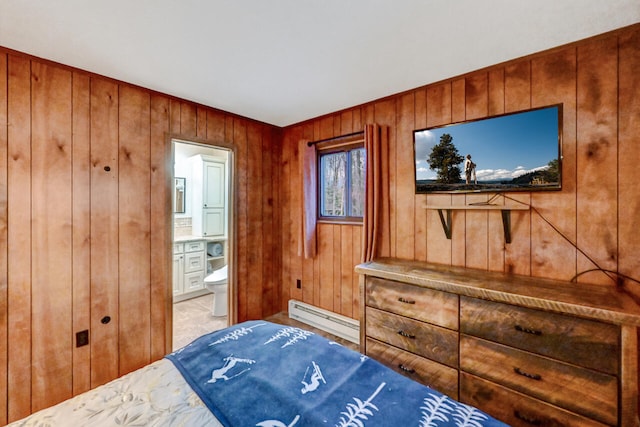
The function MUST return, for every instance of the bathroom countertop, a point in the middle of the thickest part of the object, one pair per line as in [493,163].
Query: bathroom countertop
[181,239]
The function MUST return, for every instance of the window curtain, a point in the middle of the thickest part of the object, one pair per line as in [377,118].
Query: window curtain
[308,165]
[374,140]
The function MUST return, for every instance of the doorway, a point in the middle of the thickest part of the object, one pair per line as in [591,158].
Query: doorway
[202,230]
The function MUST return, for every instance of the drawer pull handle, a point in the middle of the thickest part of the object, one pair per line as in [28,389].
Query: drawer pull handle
[527,330]
[405,369]
[527,419]
[406,301]
[528,375]
[406,335]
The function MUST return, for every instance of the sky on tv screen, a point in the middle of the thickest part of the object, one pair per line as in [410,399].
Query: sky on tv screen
[502,147]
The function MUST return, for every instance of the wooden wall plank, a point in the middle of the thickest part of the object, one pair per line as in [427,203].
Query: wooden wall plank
[458,104]
[325,260]
[19,236]
[597,156]
[405,177]
[553,80]
[51,220]
[628,155]
[81,231]
[458,220]
[517,81]
[420,200]
[238,134]
[346,266]
[3,238]
[216,127]
[175,117]
[290,206]
[496,245]
[160,219]
[254,224]
[270,220]
[476,237]
[188,120]
[104,231]
[517,254]
[201,123]
[134,228]
[496,91]
[337,269]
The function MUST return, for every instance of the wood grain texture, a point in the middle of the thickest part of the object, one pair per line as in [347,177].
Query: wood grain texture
[160,223]
[19,237]
[434,307]
[553,222]
[433,342]
[578,341]
[51,224]
[81,231]
[134,229]
[522,411]
[3,238]
[437,376]
[628,153]
[586,392]
[405,177]
[591,301]
[105,276]
[597,156]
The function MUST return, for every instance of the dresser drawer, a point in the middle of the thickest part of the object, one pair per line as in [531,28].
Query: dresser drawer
[516,409]
[178,248]
[584,391]
[425,371]
[439,308]
[432,342]
[582,342]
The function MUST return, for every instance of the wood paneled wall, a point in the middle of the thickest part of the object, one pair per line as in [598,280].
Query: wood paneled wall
[85,217]
[593,219]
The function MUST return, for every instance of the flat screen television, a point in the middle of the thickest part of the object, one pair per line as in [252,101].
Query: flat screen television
[520,151]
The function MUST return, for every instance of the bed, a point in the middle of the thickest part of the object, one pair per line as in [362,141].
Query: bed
[259,373]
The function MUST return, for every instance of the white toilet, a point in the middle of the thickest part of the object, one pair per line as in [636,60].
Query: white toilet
[216,282]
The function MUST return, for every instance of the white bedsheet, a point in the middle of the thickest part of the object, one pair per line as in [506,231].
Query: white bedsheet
[156,395]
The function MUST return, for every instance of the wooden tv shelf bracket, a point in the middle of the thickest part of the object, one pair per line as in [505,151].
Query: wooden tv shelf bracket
[506,215]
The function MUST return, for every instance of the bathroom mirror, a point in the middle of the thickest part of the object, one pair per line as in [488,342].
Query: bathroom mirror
[178,195]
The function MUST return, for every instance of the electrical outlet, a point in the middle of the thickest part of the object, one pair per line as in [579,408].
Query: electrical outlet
[298,283]
[82,338]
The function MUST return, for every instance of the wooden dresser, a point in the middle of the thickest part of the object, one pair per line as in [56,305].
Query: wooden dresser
[530,352]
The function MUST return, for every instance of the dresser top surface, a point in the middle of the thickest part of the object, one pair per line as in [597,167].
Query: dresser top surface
[599,302]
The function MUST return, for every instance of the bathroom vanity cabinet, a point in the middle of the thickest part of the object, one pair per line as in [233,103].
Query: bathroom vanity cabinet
[210,195]
[189,269]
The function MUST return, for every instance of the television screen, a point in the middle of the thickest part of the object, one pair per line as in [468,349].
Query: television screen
[511,152]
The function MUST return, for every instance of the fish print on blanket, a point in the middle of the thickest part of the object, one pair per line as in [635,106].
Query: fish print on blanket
[261,374]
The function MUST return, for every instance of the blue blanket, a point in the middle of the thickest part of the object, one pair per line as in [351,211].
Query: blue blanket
[262,374]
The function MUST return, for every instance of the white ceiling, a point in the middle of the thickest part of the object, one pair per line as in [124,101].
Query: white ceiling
[285,61]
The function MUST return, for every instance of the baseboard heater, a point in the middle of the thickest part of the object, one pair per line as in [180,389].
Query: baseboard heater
[334,323]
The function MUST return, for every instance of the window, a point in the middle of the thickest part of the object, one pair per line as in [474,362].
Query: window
[341,178]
